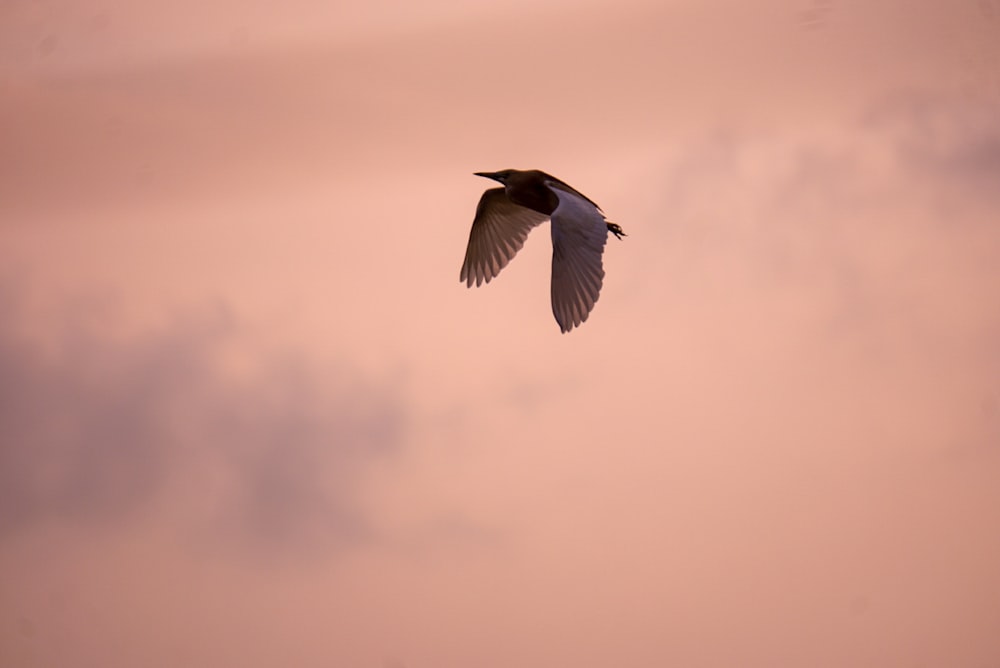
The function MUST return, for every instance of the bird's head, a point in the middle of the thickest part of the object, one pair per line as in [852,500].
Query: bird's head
[500,176]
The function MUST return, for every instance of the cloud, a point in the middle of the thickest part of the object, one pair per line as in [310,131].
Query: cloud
[942,140]
[861,256]
[98,429]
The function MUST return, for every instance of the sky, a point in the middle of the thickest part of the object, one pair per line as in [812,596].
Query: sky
[250,417]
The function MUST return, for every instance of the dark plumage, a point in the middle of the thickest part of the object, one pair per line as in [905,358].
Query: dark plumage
[579,232]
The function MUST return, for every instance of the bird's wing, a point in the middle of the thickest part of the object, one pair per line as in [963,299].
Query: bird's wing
[498,232]
[579,232]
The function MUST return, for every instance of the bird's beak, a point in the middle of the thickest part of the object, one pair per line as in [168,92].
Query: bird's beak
[488,175]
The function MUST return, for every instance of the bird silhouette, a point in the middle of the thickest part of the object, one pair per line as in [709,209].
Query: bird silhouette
[579,232]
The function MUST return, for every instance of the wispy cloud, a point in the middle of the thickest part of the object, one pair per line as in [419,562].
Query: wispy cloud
[100,429]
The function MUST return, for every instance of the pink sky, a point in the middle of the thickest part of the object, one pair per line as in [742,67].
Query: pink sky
[249,416]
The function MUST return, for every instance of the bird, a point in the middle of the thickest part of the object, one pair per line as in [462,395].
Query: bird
[528,198]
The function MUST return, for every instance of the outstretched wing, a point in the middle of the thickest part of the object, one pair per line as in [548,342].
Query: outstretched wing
[579,232]
[498,232]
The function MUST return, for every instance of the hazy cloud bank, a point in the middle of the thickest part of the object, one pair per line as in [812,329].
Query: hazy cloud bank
[100,430]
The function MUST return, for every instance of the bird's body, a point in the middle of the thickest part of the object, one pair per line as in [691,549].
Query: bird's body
[579,231]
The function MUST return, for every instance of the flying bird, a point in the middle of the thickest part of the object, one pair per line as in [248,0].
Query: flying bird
[579,231]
